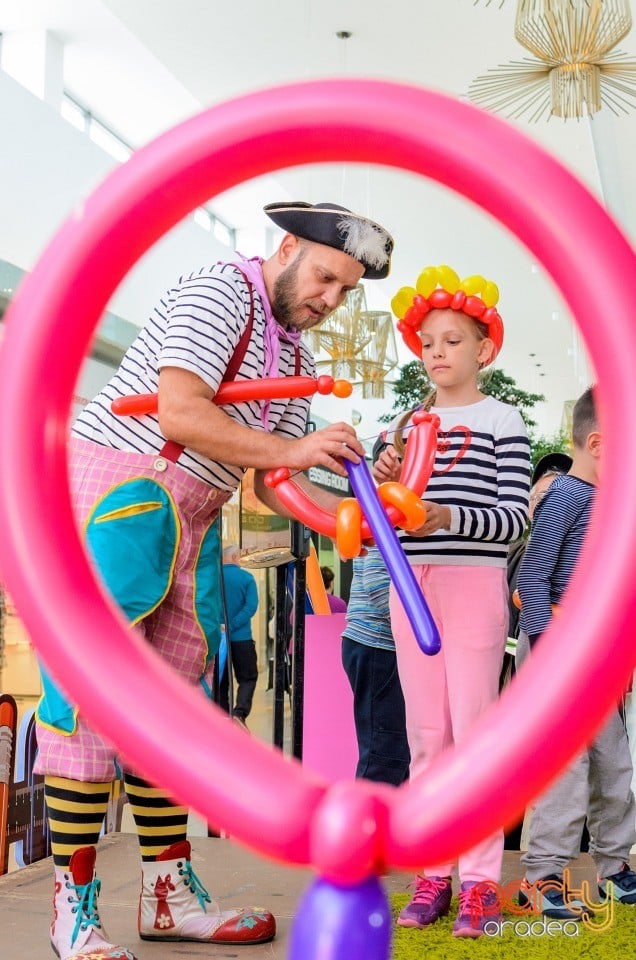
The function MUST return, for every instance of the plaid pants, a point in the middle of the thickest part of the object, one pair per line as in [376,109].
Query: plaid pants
[173,628]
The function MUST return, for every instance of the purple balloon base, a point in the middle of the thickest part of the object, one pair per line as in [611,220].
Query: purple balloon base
[335,922]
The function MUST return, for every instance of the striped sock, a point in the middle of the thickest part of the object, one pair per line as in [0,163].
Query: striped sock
[160,823]
[76,813]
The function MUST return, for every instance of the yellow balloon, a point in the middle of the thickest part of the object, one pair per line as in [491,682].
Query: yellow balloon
[472,285]
[490,294]
[402,300]
[427,281]
[448,279]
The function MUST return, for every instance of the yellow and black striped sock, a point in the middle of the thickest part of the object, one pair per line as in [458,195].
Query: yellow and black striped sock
[76,813]
[160,823]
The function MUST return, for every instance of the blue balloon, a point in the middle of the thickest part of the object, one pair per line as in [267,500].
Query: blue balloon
[415,606]
[342,923]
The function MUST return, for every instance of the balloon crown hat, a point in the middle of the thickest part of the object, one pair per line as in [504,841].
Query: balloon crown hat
[440,288]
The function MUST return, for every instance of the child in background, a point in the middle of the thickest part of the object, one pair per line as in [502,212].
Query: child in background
[477,503]
[598,784]
[368,657]
[336,604]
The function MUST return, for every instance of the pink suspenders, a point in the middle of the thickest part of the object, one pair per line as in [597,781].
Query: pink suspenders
[172,450]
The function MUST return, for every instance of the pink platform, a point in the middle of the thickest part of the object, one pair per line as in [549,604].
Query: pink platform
[329,737]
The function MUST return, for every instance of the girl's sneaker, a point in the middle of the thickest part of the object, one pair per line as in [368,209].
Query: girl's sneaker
[479,905]
[431,900]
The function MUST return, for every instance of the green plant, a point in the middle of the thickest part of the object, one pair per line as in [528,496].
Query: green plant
[413,385]
[555,443]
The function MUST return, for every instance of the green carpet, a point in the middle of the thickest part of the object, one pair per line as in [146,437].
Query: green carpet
[437,942]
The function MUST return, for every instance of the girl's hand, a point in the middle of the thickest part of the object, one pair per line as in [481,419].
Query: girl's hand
[437,518]
[388,466]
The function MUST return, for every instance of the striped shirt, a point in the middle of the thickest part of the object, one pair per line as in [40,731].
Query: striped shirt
[486,486]
[197,327]
[368,617]
[558,531]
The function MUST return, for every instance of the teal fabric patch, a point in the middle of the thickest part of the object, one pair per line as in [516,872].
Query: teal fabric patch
[207,592]
[54,709]
[133,535]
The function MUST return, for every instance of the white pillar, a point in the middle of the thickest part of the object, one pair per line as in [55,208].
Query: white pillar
[35,58]
[610,137]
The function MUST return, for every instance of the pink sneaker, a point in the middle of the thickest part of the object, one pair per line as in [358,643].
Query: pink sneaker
[431,900]
[478,905]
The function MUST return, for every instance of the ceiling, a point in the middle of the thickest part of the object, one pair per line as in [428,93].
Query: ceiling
[144,65]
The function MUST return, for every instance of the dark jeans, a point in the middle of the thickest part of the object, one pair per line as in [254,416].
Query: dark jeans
[378,710]
[245,670]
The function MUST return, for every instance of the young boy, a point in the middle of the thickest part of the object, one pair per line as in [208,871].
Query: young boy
[598,784]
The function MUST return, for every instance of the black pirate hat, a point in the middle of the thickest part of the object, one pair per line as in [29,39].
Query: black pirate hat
[335,226]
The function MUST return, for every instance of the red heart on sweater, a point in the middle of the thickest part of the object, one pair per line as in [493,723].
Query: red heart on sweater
[444,444]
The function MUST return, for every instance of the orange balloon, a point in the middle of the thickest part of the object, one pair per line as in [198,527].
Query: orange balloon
[342,389]
[348,528]
[407,502]
[315,585]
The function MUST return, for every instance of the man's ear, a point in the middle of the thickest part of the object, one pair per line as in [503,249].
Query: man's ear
[287,249]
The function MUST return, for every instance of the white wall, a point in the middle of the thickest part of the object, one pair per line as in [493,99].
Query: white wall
[46,168]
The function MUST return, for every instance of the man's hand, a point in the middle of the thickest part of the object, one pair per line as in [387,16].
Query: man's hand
[327,447]
[388,466]
[437,518]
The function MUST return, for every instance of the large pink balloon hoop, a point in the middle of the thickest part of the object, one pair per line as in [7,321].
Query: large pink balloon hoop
[347,832]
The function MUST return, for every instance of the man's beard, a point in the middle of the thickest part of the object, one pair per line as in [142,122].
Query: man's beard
[285,303]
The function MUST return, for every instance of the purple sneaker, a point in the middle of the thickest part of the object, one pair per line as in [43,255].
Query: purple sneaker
[479,905]
[431,900]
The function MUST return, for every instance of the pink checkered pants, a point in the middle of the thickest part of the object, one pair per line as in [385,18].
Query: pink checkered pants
[172,628]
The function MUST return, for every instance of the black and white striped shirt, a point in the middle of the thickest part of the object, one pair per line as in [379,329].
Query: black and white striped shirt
[486,487]
[558,531]
[197,327]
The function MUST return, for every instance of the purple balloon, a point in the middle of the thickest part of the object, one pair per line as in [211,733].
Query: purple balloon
[415,606]
[342,923]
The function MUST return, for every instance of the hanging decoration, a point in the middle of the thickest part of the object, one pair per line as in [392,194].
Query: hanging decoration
[359,344]
[574,71]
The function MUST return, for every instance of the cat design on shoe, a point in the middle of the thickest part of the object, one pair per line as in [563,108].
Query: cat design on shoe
[623,888]
[77,932]
[431,900]
[174,905]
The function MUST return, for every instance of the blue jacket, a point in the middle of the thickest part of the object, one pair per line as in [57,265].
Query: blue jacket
[241,600]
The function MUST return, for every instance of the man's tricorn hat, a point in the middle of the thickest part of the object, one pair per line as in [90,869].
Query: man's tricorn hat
[335,226]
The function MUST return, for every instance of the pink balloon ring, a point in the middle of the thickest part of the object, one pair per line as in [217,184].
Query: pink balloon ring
[119,683]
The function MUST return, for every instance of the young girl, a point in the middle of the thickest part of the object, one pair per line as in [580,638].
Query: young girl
[477,502]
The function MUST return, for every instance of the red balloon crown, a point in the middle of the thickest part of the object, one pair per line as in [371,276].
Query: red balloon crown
[438,288]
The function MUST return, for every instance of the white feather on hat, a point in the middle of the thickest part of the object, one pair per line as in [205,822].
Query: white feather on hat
[363,241]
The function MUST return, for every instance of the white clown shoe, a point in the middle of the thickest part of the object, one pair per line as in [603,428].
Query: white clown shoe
[174,905]
[77,932]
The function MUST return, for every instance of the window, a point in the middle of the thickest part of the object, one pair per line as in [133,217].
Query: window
[82,119]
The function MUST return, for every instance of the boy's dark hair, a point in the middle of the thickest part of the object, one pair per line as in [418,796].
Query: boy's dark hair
[583,417]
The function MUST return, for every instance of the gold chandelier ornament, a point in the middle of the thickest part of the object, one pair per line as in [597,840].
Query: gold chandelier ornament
[359,344]
[575,69]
